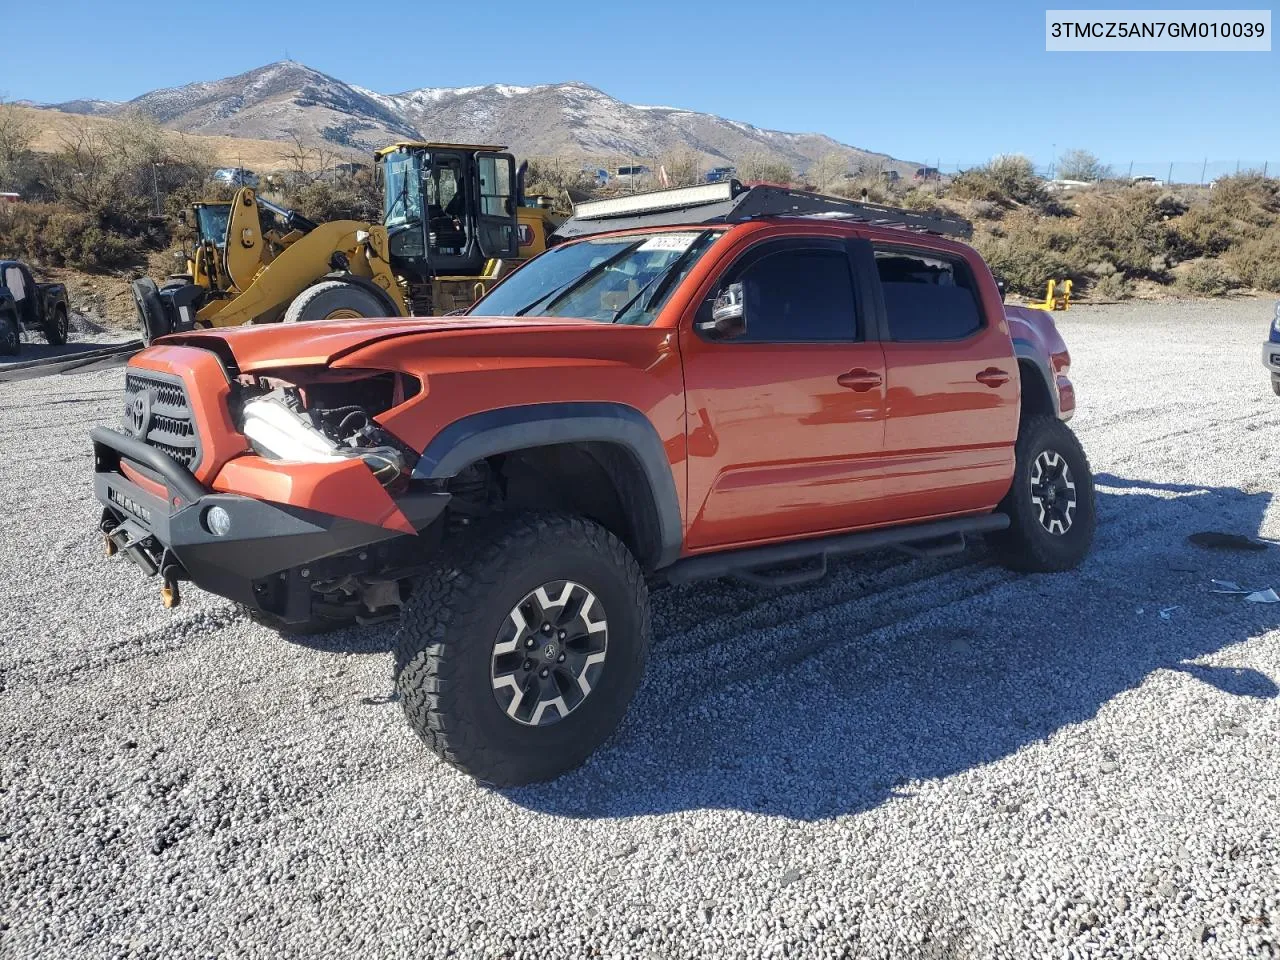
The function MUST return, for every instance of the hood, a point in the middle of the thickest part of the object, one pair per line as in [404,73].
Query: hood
[318,343]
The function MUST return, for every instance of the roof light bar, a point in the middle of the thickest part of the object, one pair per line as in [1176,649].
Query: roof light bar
[677,199]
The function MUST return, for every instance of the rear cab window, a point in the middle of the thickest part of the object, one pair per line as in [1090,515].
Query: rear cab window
[927,296]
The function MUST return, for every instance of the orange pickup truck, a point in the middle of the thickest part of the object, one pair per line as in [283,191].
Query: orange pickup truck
[716,381]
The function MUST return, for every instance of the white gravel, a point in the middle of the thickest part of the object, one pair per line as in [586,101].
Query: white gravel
[937,759]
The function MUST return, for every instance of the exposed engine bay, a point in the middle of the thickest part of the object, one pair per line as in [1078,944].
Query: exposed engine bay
[326,417]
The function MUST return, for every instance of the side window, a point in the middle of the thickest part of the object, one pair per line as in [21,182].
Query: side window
[798,294]
[13,280]
[927,298]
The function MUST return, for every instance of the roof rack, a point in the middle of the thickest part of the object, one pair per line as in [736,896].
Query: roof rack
[731,202]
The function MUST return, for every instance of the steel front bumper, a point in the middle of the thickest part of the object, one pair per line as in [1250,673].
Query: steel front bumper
[1271,357]
[269,556]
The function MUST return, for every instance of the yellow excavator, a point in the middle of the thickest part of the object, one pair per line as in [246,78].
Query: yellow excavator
[455,220]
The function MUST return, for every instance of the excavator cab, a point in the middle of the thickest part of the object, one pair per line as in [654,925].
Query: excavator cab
[449,210]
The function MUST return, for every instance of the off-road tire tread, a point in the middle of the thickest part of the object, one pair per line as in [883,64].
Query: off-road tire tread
[1022,547]
[453,595]
[295,310]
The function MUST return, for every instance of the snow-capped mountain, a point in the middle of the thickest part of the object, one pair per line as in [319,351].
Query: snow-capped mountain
[573,120]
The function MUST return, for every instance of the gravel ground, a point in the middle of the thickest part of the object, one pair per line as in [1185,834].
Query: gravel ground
[908,759]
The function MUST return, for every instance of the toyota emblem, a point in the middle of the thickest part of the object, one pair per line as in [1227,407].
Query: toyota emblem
[140,414]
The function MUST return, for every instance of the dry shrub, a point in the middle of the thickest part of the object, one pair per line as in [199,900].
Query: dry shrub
[1111,286]
[1207,278]
[1009,180]
[354,197]
[1027,252]
[1125,228]
[1257,261]
[50,234]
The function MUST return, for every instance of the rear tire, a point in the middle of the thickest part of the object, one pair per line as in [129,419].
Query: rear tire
[1050,504]
[1275,385]
[10,336]
[55,329]
[480,657]
[334,300]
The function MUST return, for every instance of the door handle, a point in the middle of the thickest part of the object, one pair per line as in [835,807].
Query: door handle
[860,379]
[993,377]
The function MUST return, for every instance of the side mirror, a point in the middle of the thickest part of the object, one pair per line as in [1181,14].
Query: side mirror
[182,217]
[728,314]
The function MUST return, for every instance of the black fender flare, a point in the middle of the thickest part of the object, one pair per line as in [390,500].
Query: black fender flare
[1025,350]
[365,284]
[508,429]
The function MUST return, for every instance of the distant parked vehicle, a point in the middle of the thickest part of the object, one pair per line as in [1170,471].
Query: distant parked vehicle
[631,173]
[1271,351]
[927,173]
[235,177]
[1146,181]
[8,196]
[716,174]
[891,176]
[27,305]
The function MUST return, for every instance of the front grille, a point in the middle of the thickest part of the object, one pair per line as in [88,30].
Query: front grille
[156,411]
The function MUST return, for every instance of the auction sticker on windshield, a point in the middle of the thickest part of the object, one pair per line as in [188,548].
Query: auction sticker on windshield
[676,242]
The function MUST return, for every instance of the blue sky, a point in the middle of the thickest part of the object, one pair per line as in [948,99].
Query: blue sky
[949,81]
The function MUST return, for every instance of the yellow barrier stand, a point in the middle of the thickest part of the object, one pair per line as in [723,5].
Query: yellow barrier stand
[1056,297]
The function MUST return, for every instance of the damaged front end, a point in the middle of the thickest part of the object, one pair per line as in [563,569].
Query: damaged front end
[296,503]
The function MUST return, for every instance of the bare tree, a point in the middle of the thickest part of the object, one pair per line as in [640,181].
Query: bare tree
[760,166]
[17,133]
[681,165]
[1082,165]
[306,161]
[828,170]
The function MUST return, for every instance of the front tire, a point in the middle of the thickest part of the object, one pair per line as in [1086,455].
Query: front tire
[152,318]
[1275,385]
[334,300]
[519,653]
[1050,504]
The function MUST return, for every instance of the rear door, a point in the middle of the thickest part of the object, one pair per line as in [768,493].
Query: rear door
[497,209]
[785,424]
[952,399]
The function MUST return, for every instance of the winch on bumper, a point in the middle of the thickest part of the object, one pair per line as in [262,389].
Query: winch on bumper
[268,556]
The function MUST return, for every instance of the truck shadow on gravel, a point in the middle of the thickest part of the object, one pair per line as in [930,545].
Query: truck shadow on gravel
[829,700]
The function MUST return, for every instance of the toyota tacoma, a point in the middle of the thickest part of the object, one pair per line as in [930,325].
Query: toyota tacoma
[714,381]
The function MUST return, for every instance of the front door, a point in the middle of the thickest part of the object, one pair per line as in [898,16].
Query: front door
[786,422]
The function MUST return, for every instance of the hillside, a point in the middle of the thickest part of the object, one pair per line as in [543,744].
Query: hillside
[572,120]
[54,129]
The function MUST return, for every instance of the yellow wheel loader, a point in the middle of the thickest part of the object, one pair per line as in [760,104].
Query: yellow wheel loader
[454,222]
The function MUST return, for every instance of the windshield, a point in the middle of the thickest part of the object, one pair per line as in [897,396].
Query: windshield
[402,197]
[619,279]
[211,221]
